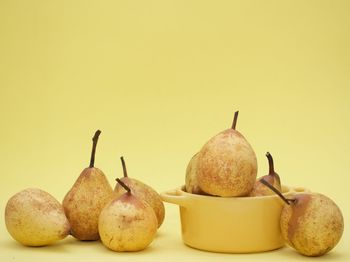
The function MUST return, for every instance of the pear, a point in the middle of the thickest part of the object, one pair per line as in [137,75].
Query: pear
[142,191]
[127,223]
[191,181]
[226,164]
[85,200]
[273,178]
[33,217]
[311,223]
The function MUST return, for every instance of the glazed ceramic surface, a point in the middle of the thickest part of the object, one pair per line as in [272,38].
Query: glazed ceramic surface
[230,225]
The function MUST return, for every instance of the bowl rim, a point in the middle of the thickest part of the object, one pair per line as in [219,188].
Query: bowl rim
[287,191]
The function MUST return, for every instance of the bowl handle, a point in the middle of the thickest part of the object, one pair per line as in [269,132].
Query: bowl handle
[299,190]
[175,197]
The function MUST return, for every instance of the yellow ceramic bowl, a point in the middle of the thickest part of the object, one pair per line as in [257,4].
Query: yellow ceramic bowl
[230,225]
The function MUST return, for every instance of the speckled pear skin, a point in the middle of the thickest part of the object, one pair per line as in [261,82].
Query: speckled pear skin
[272,178]
[144,192]
[84,202]
[261,190]
[33,217]
[127,223]
[191,180]
[227,165]
[313,224]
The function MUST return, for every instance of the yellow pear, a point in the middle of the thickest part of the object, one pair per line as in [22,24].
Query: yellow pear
[85,200]
[191,180]
[143,192]
[33,217]
[273,178]
[311,223]
[127,223]
[227,165]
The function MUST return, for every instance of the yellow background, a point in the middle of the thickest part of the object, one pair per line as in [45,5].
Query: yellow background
[159,78]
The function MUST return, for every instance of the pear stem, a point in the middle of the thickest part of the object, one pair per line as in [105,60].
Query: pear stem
[288,201]
[124,167]
[271,167]
[94,144]
[123,185]
[235,120]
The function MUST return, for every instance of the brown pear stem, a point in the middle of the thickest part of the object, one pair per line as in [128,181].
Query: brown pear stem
[271,167]
[235,120]
[124,167]
[123,185]
[94,144]
[288,201]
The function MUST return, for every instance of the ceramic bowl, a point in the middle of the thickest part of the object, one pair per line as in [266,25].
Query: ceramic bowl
[230,224]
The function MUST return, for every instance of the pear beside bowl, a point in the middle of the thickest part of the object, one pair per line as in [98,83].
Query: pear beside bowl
[230,224]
